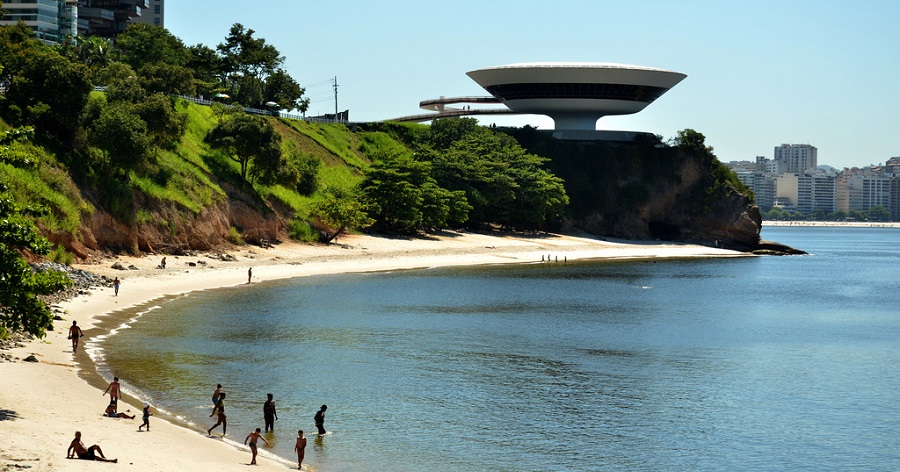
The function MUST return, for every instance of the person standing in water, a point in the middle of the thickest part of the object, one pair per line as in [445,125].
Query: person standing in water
[320,419]
[75,333]
[222,419]
[269,414]
[254,437]
[300,447]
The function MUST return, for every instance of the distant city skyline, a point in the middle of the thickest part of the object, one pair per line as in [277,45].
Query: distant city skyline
[759,74]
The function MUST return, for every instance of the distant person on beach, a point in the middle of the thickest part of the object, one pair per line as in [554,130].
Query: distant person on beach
[116,283]
[221,419]
[75,333]
[113,390]
[215,399]
[162,263]
[111,412]
[254,437]
[76,448]
[320,419]
[249,274]
[269,414]
[147,416]
[300,447]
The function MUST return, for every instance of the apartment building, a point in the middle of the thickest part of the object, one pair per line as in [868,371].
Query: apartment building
[154,15]
[796,157]
[51,20]
[808,192]
[54,20]
[862,189]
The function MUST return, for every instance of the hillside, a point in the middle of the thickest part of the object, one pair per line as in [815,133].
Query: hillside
[192,197]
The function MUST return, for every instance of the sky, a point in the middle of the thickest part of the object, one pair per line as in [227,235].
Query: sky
[759,74]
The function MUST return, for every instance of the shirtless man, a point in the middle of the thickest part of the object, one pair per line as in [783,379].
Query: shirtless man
[300,447]
[254,437]
[113,390]
[111,412]
[90,454]
[75,333]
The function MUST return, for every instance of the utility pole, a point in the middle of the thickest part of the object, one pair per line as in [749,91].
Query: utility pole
[335,99]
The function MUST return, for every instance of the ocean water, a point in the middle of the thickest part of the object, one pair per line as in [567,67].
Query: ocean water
[770,363]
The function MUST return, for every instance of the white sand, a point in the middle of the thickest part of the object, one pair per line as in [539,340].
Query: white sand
[43,404]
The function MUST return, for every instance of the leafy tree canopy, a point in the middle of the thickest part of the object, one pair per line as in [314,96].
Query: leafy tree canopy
[248,140]
[143,44]
[20,308]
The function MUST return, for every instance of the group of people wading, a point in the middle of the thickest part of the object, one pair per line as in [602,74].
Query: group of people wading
[270,415]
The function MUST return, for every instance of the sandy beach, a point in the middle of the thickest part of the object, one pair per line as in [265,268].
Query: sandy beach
[42,404]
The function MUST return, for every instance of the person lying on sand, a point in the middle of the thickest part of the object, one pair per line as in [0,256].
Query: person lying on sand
[90,454]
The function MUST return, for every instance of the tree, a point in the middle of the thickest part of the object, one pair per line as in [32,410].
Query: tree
[143,44]
[165,126]
[342,210]
[20,307]
[122,134]
[43,88]
[248,140]
[167,78]
[253,73]
[207,67]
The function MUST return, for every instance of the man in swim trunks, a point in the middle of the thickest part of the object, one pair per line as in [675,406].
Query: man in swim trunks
[113,390]
[253,437]
[89,454]
[300,447]
[215,399]
[75,333]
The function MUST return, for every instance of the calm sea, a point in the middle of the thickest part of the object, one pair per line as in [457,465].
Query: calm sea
[770,363]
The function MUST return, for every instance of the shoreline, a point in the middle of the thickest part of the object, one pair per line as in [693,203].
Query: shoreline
[42,404]
[836,224]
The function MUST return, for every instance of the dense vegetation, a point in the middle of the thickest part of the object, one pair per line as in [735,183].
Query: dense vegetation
[110,140]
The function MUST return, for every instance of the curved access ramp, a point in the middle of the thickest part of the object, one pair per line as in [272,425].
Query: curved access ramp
[441,110]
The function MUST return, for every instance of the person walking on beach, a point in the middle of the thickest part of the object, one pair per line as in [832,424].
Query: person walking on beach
[215,399]
[147,416]
[269,414]
[116,283]
[113,390]
[249,274]
[111,412]
[76,448]
[222,419]
[75,333]
[300,447]
[254,437]
[320,419]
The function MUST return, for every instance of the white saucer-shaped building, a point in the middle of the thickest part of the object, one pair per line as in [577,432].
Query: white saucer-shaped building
[575,94]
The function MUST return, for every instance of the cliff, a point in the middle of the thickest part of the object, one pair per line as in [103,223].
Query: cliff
[648,190]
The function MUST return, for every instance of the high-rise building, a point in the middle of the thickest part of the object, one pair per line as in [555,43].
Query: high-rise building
[862,189]
[809,191]
[155,15]
[796,157]
[54,20]
[51,20]
[108,18]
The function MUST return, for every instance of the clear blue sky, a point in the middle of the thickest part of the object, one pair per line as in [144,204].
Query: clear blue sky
[760,74]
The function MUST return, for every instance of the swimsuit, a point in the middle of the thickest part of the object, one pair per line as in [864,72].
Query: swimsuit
[89,455]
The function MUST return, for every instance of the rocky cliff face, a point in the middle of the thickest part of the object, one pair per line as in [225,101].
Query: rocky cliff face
[647,190]
[171,229]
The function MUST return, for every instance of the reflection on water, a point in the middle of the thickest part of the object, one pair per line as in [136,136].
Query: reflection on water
[737,364]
